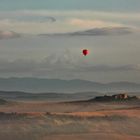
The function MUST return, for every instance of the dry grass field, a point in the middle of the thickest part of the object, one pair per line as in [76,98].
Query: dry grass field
[70,120]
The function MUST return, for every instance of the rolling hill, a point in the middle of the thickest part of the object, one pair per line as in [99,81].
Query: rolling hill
[38,85]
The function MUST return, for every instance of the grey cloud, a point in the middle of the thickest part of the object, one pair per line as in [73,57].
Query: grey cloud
[108,68]
[17,66]
[8,35]
[27,18]
[48,19]
[59,66]
[105,31]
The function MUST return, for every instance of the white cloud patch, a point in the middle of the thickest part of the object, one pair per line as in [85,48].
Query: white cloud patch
[27,27]
[76,13]
[61,26]
[60,65]
[65,65]
[86,23]
[8,35]
[44,21]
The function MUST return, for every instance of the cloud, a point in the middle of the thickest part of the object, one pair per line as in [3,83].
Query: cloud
[86,23]
[74,13]
[47,21]
[108,68]
[27,27]
[60,26]
[103,31]
[65,66]
[26,23]
[26,16]
[8,35]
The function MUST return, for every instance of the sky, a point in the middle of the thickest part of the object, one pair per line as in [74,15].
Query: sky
[108,5]
[114,46]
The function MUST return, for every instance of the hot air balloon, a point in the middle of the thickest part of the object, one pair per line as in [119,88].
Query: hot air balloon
[85,52]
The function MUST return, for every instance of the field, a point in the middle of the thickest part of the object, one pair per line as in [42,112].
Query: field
[70,120]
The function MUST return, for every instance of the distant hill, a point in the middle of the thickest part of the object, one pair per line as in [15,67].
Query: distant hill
[17,95]
[63,86]
[50,96]
[2,101]
[37,85]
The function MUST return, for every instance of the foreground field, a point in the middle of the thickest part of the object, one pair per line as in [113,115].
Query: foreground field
[70,120]
[90,136]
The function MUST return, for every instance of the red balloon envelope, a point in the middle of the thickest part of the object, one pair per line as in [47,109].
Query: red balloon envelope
[85,52]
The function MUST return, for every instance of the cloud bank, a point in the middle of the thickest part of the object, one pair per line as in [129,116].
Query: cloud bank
[45,21]
[8,35]
[105,31]
[86,23]
[58,65]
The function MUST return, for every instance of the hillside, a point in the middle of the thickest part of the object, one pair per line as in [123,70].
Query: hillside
[2,101]
[38,85]
[48,96]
